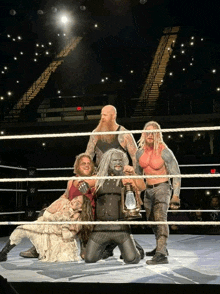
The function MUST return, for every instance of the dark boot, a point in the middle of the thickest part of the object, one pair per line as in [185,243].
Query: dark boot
[158,258]
[5,250]
[152,253]
[108,252]
[30,253]
[139,248]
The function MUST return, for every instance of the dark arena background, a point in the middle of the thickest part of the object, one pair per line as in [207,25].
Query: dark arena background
[60,63]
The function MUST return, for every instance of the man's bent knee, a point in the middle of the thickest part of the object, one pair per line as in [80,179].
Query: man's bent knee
[135,260]
[93,251]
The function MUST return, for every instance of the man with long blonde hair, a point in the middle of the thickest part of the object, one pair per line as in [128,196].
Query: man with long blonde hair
[155,158]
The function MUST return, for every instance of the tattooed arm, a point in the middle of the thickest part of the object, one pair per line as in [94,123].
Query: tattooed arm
[128,143]
[173,169]
[90,150]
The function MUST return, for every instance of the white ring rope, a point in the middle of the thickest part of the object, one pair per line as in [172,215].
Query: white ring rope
[12,190]
[14,212]
[59,135]
[179,210]
[107,223]
[194,165]
[13,167]
[10,180]
[63,190]
[71,168]
[55,168]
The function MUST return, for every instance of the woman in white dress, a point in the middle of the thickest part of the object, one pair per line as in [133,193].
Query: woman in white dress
[58,242]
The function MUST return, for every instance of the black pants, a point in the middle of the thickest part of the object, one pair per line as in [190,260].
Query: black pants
[101,236]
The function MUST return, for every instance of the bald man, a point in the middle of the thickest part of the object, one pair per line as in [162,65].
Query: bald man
[99,144]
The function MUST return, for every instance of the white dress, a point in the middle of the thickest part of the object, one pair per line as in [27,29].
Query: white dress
[54,242]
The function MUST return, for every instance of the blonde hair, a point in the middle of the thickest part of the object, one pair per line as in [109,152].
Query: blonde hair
[77,161]
[158,137]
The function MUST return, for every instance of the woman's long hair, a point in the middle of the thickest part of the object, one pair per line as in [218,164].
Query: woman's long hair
[86,215]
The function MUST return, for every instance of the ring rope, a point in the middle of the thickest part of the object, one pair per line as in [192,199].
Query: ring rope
[13,167]
[62,190]
[71,168]
[14,212]
[55,168]
[114,223]
[12,190]
[10,180]
[194,165]
[179,210]
[59,135]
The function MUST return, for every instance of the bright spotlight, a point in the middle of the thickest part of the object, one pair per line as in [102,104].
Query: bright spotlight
[64,19]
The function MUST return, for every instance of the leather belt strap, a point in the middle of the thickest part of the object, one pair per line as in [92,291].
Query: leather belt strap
[156,185]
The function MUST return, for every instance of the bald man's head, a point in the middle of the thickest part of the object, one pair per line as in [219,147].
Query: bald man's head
[109,110]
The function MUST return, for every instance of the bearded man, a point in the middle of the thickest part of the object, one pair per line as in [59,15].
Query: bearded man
[108,208]
[155,158]
[99,144]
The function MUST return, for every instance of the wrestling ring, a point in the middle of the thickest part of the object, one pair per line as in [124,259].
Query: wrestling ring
[193,258]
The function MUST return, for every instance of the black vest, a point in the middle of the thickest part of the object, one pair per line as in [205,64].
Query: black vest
[108,202]
[104,146]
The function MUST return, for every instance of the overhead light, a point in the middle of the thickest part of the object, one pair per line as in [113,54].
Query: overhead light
[64,19]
